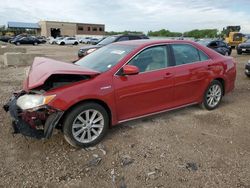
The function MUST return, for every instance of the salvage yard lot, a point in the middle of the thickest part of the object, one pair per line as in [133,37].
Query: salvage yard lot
[189,147]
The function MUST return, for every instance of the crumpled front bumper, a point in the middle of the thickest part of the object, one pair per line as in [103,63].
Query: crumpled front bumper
[30,123]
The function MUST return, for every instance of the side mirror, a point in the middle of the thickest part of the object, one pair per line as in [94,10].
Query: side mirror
[130,70]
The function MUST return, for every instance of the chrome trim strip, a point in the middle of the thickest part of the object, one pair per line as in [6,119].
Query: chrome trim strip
[154,113]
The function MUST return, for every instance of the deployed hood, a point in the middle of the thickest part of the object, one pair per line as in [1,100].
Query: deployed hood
[43,68]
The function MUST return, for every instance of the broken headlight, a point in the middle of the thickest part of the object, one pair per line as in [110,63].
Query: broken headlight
[27,102]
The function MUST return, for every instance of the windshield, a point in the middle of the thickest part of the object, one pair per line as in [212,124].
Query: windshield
[107,40]
[104,58]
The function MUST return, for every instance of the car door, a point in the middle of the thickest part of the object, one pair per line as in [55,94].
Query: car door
[191,73]
[24,40]
[149,91]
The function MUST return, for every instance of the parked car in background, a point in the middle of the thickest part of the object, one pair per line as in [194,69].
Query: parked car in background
[53,40]
[247,69]
[6,38]
[117,83]
[243,47]
[68,40]
[93,41]
[86,40]
[83,51]
[42,39]
[217,45]
[17,37]
[26,40]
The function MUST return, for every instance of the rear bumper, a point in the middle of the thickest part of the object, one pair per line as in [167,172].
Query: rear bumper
[36,124]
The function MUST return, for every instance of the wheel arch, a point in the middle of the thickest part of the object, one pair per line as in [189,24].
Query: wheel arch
[222,81]
[100,102]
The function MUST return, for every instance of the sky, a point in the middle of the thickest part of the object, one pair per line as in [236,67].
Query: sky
[133,15]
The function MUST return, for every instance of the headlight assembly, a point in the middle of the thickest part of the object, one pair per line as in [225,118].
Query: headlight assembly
[28,102]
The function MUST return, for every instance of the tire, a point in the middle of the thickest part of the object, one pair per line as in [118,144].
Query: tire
[78,128]
[227,54]
[62,43]
[216,90]
[35,44]
[18,43]
[76,43]
[239,52]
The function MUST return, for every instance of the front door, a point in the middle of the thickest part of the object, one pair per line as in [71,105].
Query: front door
[149,91]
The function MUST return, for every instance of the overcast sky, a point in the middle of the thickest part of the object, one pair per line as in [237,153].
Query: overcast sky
[139,15]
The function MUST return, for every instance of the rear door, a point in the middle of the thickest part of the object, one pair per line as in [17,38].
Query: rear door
[191,73]
[149,91]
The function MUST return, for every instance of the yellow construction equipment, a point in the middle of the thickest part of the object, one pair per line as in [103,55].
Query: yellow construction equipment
[233,36]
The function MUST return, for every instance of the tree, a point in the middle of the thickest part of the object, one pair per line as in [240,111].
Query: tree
[164,33]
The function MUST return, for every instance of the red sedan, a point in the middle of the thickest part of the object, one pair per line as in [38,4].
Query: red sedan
[118,83]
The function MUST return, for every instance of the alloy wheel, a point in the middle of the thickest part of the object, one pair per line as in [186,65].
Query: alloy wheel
[214,95]
[87,126]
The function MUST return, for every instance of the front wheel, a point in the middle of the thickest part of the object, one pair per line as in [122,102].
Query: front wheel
[213,95]
[86,125]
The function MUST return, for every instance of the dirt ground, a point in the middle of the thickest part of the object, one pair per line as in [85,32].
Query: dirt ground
[189,147]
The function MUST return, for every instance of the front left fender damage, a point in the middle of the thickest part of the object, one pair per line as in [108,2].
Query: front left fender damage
[37,124]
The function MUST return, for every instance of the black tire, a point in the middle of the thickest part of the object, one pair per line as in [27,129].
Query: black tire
[239,52]
[76,43]
[205,104]
[71,117]
[18,43]
[35,43]
[62,43]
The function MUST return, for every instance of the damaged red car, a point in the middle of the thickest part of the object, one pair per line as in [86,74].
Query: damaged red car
[119,82]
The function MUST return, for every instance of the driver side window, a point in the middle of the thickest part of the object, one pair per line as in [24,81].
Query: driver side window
[151,59]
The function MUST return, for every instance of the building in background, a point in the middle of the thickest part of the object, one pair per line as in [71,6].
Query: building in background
[54,28]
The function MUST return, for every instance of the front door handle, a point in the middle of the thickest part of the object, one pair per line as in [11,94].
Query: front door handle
[168,75]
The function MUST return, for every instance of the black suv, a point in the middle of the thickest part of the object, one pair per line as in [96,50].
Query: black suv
[115,38]
[217,45]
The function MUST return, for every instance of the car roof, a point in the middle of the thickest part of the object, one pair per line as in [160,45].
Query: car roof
[148,42]
[139,44]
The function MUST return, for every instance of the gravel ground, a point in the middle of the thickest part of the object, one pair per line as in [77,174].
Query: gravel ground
[189,147]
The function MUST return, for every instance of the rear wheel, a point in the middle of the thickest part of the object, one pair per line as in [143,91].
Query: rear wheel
[86,125]
[76,43]
[62,43]
[213,95]
[18,43]
[35,43]
[239,52]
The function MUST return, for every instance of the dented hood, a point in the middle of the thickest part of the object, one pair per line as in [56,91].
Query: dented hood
[42,68]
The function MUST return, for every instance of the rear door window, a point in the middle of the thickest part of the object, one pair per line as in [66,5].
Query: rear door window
[185,54]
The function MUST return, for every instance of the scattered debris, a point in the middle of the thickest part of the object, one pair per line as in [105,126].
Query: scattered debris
[192,166]
[113,175]
[122,183]
[151,173]
[126,160]
[90,148]
[95,161]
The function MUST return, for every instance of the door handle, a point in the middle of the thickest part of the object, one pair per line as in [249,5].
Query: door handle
[168,75]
